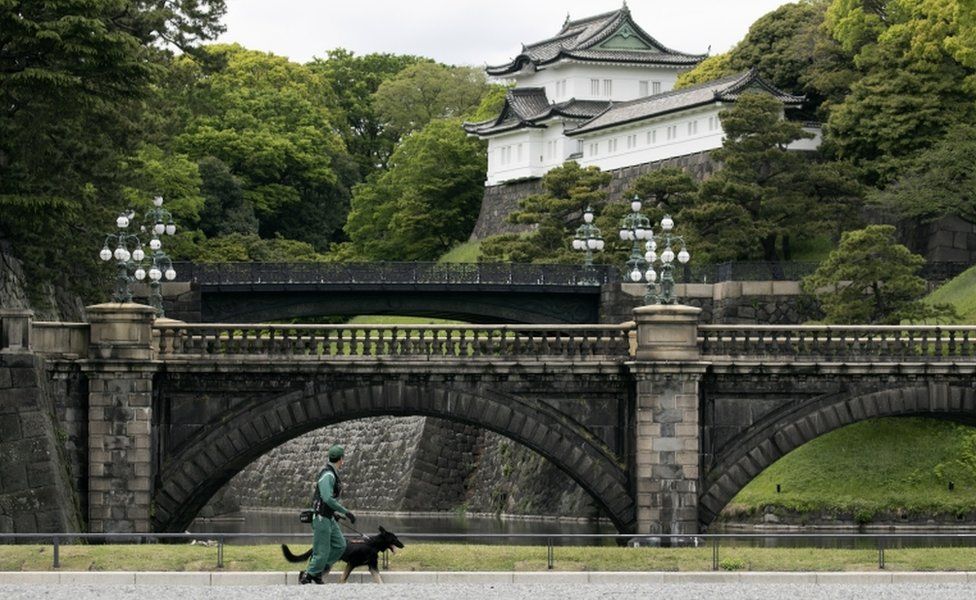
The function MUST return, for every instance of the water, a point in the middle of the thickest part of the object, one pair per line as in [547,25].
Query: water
[254,521]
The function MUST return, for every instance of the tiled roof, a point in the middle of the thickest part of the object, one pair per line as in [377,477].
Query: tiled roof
[726,89]
[578,40]
[528,107]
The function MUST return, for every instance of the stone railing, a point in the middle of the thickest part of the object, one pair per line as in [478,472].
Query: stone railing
[69,340]
[429,342]
[839,342]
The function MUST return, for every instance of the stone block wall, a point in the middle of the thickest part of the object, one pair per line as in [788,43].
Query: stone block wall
[36,491]
[499,201]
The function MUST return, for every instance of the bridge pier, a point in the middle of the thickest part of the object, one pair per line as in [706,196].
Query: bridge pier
[120,370]
[667,372]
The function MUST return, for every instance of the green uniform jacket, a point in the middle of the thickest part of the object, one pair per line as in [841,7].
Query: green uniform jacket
[326,485]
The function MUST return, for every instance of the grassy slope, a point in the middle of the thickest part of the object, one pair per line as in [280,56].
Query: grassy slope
[901,464]
[452,557]
[462,253]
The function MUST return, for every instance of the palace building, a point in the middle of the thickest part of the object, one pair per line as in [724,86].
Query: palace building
[601,92]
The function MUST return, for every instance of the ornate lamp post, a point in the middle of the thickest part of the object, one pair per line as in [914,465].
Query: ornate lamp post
[665,293]
[130,257]
[588,240]
[633,228]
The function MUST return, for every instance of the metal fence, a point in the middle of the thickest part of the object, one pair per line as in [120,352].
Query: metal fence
[879,541]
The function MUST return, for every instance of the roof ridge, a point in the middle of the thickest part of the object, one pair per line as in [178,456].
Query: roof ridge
[592,18]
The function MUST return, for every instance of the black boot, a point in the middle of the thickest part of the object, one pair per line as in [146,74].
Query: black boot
[304,578]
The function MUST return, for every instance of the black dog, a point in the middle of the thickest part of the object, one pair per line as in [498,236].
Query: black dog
[357,553]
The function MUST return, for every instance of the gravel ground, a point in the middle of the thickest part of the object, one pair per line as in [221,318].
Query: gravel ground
[711,591]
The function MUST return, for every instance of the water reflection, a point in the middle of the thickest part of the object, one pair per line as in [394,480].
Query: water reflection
[286,522]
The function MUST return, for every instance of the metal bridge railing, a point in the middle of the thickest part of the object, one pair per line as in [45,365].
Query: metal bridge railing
[415,341]
[868,343]
[880,541]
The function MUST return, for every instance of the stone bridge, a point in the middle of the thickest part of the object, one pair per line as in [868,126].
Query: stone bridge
[661,420]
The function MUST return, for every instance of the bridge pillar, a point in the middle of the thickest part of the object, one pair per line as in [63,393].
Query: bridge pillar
[120,373]
[667,371]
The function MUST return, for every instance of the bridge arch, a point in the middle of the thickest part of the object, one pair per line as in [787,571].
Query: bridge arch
[784,430]
[188,479]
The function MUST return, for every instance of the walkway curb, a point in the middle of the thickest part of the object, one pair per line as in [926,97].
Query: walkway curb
[255,578]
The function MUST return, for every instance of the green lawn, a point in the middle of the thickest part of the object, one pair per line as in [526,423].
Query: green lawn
[456,557]
[901,465]
[467,252]
[960,292]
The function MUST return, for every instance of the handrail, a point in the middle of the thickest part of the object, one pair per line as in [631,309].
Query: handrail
[413,340]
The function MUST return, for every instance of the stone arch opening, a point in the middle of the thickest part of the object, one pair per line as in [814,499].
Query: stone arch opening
[781,432]
[188,479]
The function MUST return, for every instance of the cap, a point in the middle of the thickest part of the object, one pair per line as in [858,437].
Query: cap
[336,452]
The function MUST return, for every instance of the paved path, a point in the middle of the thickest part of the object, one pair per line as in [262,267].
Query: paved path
[609,591]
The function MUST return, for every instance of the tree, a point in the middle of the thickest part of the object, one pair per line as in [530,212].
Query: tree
[272,123]
[554,215]
[713,67]
[941,181]
[426,201]
[225,210]
[354,80]
[426,91]
[912,86]
[871,279]
[73,79]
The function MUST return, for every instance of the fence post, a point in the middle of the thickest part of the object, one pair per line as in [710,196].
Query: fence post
[549,554]
[57,553]
[220,552]
[715,554]
[881,556]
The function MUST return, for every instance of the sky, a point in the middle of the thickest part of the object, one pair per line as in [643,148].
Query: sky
[470,32]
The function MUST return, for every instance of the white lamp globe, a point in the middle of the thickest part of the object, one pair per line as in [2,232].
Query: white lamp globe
[591,243]
[158,200]
[138,254]
[170,229]
[651,275]
[635,204]
[118,253]
[170,274]
[159,228]
[122,222]
[155,274]
[635,275]
[667,257]
[588,216]
[667,223]
[650,256]
[640,233]
[651,244]
[126,255]
[599,245]
[140,274]
[105,254]
[577,244]
[684,256]
[155,244]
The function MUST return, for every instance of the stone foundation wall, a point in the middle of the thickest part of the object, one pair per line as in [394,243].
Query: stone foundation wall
[499,201]
[36,491]
[409,464]
[726,303]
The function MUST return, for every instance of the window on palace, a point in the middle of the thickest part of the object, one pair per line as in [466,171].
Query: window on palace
[612,145]
[518,153]
[631,141]
[656,87]
[692,127]
[652,137]
[607,87]
[594,149]
[643,89]
[594,87]
[672,132]
[713,123]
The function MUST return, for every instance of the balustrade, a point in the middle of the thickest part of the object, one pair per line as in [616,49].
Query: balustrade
[417,341]
[839,342]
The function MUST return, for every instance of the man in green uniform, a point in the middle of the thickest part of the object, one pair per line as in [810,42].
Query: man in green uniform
[328,543]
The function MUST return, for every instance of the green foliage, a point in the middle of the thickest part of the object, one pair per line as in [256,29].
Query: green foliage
[554,214]
[237,247]
[958,293]
[353,80]
[465,252]
[911,88]
[425,203]
[269,120]
[426,91]
[154,172]
[491,103]
[713,67]
[225,209]
[941,181]
[871,278]
[766,196]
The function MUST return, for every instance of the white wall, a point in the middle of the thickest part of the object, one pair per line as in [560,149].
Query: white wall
[706,135]
[625,81]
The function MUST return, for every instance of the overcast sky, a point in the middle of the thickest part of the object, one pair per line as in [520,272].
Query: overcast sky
[472,32]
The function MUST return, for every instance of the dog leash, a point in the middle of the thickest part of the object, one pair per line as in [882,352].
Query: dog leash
[349,526]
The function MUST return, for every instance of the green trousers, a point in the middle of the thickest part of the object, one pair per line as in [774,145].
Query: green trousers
[328,544]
